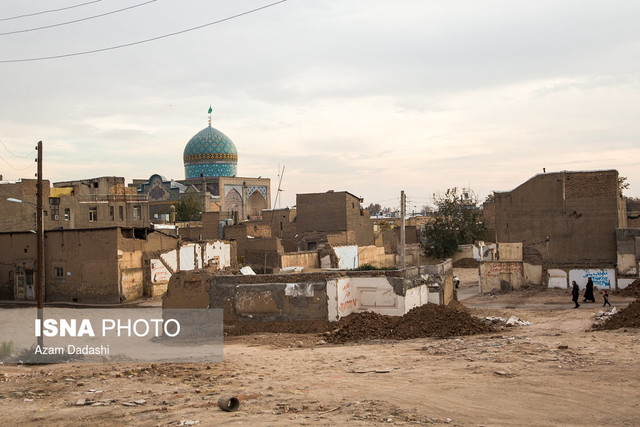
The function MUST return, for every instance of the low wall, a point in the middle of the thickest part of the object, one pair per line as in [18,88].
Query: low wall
[501,275]
[311,296]
[305,260]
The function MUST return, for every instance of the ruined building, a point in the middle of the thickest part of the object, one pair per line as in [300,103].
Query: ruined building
[561,218]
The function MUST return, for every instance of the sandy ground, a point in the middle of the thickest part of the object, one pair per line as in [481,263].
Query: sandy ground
[553,372]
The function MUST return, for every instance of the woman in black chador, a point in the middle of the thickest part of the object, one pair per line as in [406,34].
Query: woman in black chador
[588,292]
[575,291]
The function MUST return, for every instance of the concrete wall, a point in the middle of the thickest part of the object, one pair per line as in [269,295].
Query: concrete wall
[501,275]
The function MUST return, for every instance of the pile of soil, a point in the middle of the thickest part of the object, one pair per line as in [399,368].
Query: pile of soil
[426,321]
[628,317]
[633,290]
[465,263]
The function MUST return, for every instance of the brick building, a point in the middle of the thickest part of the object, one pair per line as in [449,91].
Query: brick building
[88,203]
[561,218]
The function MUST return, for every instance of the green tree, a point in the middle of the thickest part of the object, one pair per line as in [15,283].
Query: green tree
[374,209]
[456,222]
[188,209]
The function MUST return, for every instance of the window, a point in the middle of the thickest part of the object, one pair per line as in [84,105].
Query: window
[120,213]
[353,205]
[312,246]
[93,214]
[55,212]
[111,213]
[67,214]
[136,212]
[58,272]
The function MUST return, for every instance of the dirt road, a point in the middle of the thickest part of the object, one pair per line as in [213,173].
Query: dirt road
[553,372]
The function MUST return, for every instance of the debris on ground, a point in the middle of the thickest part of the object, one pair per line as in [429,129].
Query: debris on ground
[632,290]
[628,317]
[501,322]
[466,263]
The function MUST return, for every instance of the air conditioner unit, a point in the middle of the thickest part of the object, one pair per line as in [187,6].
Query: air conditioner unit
[56,217]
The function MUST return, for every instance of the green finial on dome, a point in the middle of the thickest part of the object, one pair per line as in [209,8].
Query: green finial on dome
[210,110]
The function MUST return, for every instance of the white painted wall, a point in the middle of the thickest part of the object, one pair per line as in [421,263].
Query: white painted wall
[171,258]
[602,278]
[358,294]
[347,257]
[159,273]
[557,278]
[187,257]
[218,249]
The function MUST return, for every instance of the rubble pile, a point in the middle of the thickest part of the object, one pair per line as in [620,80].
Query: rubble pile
[501,322]
[466,263]
[628,317]
[429,320]
[633,290]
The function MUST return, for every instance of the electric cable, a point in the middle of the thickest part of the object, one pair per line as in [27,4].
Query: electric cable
[77,20]
[86,52]
[49,11]
[16,155]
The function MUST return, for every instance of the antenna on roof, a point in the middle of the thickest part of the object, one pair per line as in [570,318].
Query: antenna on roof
[280,174]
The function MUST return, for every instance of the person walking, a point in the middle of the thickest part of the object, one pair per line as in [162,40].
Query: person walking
[575,293]
[588,292]
[605,295]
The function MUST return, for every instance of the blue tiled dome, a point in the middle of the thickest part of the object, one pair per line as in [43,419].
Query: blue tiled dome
[210,153]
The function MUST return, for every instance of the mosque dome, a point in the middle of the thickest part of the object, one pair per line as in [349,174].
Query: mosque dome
[210,153]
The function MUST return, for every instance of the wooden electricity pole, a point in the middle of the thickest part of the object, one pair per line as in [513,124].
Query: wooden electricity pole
[403,213]
[40,249]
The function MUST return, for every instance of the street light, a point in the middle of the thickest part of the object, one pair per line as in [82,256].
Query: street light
[40,259]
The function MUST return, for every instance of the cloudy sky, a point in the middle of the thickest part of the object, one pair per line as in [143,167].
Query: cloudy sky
[367,96]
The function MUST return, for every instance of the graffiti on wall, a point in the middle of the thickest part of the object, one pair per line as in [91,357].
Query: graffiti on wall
[496,269]
[346,301]
[602,278]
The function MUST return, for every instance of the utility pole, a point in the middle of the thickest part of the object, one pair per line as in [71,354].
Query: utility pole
[40,249]
[403,212]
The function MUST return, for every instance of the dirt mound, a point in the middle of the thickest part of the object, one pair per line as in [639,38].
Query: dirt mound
[628,317]
[456,305]
[465,263]
[633,290]
[426,321]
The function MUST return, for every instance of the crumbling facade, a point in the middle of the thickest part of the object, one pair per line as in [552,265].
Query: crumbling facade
[562,218]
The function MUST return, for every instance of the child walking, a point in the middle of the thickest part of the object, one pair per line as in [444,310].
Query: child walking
[605,295]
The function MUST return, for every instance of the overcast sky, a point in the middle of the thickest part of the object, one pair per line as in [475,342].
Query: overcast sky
[367,96]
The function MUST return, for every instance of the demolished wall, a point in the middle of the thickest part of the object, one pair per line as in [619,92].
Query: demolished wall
[311,296]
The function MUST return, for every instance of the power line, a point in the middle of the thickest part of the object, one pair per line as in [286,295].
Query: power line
[15,155]
[142,41]
[49,11]
[77,20]
[13,167]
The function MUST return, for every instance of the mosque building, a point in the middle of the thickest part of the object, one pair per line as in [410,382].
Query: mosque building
[210,166]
